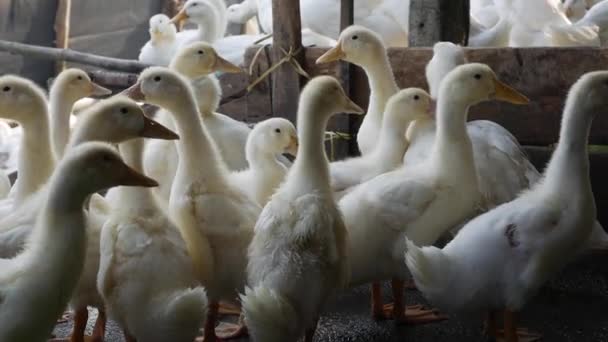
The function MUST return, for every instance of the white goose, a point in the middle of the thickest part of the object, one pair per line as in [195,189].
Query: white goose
[420,201]
[36,285]
[364,48]
[162,44]
[298,256]
[402,108]
[268,139]
[219,229]
[146,276]
[501,258]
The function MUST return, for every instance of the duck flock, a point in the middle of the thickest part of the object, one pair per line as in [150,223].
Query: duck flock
[207,217]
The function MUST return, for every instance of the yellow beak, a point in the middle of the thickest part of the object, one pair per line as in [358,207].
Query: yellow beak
[508,94]
[180,18]
[333,54]
[223,65]
[293,146]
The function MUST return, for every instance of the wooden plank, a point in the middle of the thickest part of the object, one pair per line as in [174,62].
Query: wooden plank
[343,148]
[438,20]
[287,35]
[543,74]
[62,29]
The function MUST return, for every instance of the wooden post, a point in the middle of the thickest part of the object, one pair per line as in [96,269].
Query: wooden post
[346,123]
[286,82]
[62,29]
[438,20]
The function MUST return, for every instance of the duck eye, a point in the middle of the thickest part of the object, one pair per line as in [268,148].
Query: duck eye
[477,76]
[124,110]
[200,52]
[107,158]
[79,78]
[7,88]
[355,37]
[194,4]
[278,130]
[416,97]
[157,79]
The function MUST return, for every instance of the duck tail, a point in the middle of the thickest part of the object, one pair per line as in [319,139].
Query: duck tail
[181,312]
[430,269]
[268,315]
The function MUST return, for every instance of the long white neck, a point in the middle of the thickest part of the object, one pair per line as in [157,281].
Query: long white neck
[260,160]
[312,163]
[199,158]
[60,111]
[452,153]
[568,170]
[136,199]
[392,141]
[36,160]
[57,248]
[381,84]
[208,29]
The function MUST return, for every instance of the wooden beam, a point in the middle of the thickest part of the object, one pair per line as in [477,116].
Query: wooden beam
[432,21]
[287,36]
[62,29]
[35,51]
[344,124]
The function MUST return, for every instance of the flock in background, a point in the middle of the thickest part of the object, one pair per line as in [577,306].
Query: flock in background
[223,224]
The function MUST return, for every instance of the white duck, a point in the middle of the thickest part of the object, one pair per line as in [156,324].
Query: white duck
[298,256]
[364,48]
[502,166]
[113,120]
[420,201]
[402,108]
[241,13]
[500,259]
[146,276]
[215,218]
[209,15]
[68,87]
[162,44]
[267,140]
[597,16]
[36,285]
[5,184]
[24,102]
[160,157]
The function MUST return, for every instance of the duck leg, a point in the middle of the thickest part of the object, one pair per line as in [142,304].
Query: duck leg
[229,309]
[512,334]
[81,316]
[414,314]
[209,330]
[376,293]
[99,330]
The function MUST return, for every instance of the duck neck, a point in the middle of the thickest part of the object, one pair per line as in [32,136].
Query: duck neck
[208,29]
[312,163]
[135,198]
[381,84]
[195,148]
[453,146]
[392,141]
[569,165]
[36,160]
[60,111]
[261,161]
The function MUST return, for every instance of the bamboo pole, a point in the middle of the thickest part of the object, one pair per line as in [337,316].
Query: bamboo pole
[116,64]
[62,29]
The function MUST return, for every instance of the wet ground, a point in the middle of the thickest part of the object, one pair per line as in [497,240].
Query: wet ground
[573,307]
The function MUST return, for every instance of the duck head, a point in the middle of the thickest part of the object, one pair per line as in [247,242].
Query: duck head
[74,84]
[20,99]
[200,59]
[357,45]
[161,28]
[275,136]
